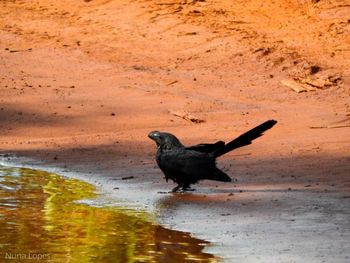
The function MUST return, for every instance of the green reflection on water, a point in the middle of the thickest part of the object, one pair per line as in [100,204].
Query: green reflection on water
[39,219]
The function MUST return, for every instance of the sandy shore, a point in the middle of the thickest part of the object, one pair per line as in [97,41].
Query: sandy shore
[83,83]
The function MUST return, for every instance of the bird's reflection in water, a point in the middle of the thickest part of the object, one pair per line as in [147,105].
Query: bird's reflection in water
[38,216]
[205,196]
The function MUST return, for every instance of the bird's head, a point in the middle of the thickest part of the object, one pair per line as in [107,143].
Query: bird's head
[164,140]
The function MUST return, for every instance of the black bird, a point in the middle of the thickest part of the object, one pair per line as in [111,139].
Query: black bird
[188,165]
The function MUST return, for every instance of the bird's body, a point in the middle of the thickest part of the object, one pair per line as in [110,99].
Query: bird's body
[188,165]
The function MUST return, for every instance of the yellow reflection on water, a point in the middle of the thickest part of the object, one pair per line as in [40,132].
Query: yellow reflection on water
[40,222]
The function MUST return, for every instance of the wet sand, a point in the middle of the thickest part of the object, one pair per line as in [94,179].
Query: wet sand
[83,83]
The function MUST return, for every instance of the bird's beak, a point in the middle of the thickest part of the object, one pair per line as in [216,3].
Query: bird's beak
[155,136]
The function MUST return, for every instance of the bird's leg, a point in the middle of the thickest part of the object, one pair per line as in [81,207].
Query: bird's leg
[187,187]
[176,188]
[184,188]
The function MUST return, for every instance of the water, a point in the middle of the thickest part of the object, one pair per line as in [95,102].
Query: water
[41,222]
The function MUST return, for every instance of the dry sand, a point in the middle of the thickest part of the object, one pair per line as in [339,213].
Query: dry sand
[83,82]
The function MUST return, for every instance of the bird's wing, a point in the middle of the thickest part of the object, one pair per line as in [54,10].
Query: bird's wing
[187,163]
[206,147]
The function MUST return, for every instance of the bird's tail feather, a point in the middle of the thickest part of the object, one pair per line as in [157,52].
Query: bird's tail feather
[219,175]
[245,138]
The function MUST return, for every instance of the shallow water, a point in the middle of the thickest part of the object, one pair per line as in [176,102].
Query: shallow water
[41,222]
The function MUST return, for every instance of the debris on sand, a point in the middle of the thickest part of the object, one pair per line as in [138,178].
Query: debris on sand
[296,86]
[313,82]
[127,177]
[322,81]
[186,116]
[172,82]
[330,126]
[124,178]
[340,124]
